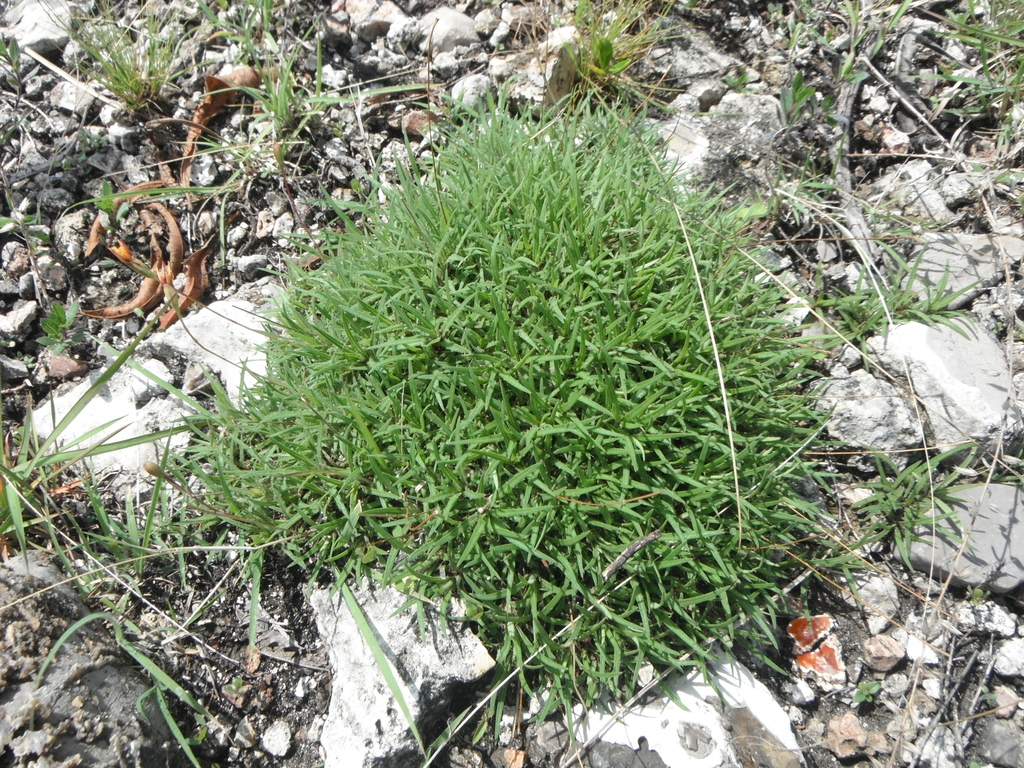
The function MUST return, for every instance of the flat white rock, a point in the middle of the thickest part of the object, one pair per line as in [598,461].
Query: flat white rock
[694,735]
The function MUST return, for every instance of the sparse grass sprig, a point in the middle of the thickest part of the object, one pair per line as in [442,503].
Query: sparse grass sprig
[30,465]
[504,379]
[902,502]
[880,300]
[133,58]
[614,37]
[990,87]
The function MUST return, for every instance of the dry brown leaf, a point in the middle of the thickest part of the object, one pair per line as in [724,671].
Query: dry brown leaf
[150,292]
[96,233]
[196,282]
[219,91]
[175,245]
[252,659]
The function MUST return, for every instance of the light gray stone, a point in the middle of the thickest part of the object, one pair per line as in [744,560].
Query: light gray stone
[962,381]
[125,137]
[871,413]
[728,146]
[16,322]
[686,144]
[970,263]
[985,618]
[937,749]
[923,637]
[365,727]
[500,34]
[72,98]
[52,273]
[694,56]
[472,91]
[1001,743]
[445,66]
[12,372]
[992,521]
[204,170]
[70,232]
[37,24]
[878,597]
[403,34]
[958,189]
[251,265]
[333,79]
[26,287]
[277,739]
[914,186]
[371,19]
[90,707]
[799,692]
[283,225]
[708,92]
[445,28]
[1010,658]
[245,735]
[536,82]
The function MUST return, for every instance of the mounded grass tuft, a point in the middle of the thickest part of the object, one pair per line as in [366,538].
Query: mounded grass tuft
[505,377]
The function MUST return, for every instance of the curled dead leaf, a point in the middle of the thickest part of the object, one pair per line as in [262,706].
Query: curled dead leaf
[122,252]
[147,297]
[219,91]
[196,282]
[96,233]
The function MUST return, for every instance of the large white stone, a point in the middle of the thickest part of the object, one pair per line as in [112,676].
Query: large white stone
[365,727]
[870,412]
[445,28]
[223,337]
[697,734]
[985,547]
[39,24]
[962,382]
[122,410]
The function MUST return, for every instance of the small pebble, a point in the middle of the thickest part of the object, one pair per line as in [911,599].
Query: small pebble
[1006,700]
[245,735]
[882,653]
[63,367]
[278,739]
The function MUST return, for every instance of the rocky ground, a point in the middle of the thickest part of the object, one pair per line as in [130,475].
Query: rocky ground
[871,136]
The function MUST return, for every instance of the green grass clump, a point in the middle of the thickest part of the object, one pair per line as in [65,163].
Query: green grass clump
[132,57]
[505,377]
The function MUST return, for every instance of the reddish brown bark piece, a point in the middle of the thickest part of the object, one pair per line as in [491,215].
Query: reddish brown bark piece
[219,91]
[806,633]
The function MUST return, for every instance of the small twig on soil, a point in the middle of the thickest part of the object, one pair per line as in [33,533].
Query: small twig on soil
[61,73]
[631,550]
